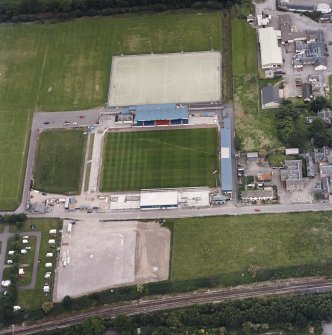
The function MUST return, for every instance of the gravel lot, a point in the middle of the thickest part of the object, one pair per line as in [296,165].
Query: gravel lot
[110,254]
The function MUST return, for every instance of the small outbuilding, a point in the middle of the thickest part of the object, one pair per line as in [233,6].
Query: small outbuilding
[270,97]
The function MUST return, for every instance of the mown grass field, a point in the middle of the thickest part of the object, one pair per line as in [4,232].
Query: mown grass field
[204,247]
[58,165]
[153,159]
[32,299]
[244,48]
[66,66]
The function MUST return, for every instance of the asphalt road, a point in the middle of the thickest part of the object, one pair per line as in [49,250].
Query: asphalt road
[176,301]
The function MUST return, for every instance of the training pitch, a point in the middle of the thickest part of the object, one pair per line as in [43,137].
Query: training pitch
[178,77]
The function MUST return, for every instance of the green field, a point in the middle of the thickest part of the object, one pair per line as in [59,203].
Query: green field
[256,127]
[32,299]
[72,60]
[229,245]
[244,48]
[58,166]
[153,159]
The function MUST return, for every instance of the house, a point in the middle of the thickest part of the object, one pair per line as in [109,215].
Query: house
[258,195]
[292,175]
[289,34]
[307,92]
[270,97]
[325,170]
[292,151]
[313,78]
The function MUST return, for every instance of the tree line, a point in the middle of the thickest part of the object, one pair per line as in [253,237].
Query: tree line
[250,316]
[292,130]
[31,10]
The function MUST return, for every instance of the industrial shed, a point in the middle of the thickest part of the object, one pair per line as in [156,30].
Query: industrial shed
[271,54]
[152,199]
[160,115]
[226,157]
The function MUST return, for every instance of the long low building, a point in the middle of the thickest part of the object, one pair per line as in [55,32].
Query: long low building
[226,157]
[271,54]
[159,115]
[159,199]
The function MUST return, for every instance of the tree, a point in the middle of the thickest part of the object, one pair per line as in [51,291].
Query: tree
[67,302]
[319,103]
[122,323]
[93,326]
[47,306]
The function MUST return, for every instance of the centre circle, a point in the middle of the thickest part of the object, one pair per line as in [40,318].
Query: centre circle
[165,78]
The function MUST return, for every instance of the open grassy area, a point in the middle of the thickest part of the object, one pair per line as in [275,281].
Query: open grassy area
[256,127]
[31,299]
[66,66]
[244,48]
[58,166]
[151,159]
[229,245]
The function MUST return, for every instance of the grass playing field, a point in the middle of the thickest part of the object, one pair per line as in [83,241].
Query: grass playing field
[244,48]
[204,247]
[153,159]
[66,66]
[58,166]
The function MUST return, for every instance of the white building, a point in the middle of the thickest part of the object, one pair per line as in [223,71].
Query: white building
[158,199]
[258,195]
[324,8]
[271,54]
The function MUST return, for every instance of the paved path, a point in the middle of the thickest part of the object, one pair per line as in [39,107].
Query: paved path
[3,239]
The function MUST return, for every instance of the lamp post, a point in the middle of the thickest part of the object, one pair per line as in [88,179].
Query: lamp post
[181,48]
[215,172]
[120,47]
[211,42]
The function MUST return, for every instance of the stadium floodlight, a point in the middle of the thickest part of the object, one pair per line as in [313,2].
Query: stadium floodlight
[181,47]
[151,51]
[211,42]
[215,177]
[120,47]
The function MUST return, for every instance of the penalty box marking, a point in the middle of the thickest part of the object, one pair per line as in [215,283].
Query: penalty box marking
[213,78]
[117,81]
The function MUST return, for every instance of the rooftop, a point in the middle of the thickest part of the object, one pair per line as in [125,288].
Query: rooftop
[226,156]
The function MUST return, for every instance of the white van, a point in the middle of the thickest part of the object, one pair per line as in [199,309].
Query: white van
[49,254]
[23,251]
[48,265]
[51,241]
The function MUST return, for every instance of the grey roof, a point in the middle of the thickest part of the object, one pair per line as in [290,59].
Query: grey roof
[320,61]
[164,114]
[270,94]
[307,91]
[300,7]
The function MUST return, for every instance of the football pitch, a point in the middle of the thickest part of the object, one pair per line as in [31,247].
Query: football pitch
[178,78]
[157,159]
[58,166]
[66,66]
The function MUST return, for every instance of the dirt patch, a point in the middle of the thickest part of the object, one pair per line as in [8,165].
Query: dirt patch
[134,42]
[152,252]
